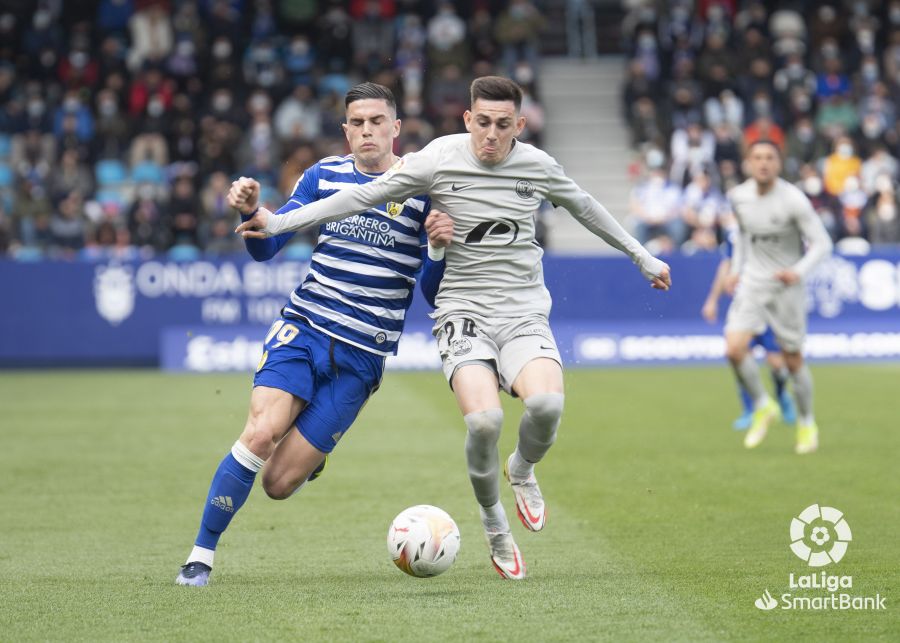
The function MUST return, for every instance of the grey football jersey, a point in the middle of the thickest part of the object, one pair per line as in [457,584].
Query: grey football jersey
[772,230]
[493,265]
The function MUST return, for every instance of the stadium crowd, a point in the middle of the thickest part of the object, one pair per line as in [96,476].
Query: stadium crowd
[820,79]
[123,122]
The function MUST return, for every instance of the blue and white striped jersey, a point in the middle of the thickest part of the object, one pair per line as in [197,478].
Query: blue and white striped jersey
[363,269]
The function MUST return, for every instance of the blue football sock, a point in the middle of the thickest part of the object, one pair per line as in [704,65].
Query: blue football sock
[746,400]
[230,487]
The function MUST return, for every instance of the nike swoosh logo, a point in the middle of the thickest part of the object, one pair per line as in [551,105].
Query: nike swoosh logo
[547,348]
[457,188]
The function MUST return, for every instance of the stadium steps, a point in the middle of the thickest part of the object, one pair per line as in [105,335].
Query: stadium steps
[585,133]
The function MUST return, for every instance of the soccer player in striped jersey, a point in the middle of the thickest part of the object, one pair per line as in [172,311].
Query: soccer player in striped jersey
[492,308]
[325,356]
[777,367]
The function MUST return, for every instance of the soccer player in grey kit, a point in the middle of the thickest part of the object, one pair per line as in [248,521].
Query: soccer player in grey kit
[492,309]
[767,278]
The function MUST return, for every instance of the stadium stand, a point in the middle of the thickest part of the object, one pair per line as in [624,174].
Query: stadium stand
[123,121]
[821,79]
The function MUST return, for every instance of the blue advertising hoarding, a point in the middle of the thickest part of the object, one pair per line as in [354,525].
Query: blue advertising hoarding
[212,315]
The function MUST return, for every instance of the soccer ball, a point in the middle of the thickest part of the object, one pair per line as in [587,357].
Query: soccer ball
[423,541]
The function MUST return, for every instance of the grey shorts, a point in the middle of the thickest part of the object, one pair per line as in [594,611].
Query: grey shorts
[782,308]
[506,345]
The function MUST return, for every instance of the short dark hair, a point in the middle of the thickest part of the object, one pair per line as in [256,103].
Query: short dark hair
[496,88]
[764,141]
[371,90]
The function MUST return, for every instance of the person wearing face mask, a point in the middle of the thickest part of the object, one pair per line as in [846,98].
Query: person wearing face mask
[826,206]
[840,165]
[882,214]
[879,163]
[803,145]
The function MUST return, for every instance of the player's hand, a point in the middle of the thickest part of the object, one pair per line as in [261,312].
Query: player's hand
[255,228]
[710,310]
[664,280]
[439,226]
[730,284]
[244,195]
[788,277]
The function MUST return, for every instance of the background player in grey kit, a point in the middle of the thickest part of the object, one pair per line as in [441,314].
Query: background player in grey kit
[492,307]
[774,220]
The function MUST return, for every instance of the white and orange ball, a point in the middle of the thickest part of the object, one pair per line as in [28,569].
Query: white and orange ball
[423,541]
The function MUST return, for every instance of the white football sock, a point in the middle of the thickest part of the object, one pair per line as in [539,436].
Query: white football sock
[201,555]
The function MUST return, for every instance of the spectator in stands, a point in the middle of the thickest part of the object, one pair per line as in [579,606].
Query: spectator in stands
[518,30]
[840,165]
[703,206]
[446,37]
[879,163]
[67,226]
[71,176]
[151,35]
[298,115]
[145,221]
[655,207]
[693,152]
[581,29]
[882,215]
[803,146]
[853,201]
[764,129]
[685,96]
[373,38]
[182,214]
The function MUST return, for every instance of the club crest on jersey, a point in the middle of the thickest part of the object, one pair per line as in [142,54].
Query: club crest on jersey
[524,189]
[393,209]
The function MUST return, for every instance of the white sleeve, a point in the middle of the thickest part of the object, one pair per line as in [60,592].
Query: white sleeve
[814,233]
[410,176]
[593,216]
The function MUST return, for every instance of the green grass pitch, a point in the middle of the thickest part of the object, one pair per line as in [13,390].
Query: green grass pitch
[661,526]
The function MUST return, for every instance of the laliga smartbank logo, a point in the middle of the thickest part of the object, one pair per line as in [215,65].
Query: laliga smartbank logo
[819,537]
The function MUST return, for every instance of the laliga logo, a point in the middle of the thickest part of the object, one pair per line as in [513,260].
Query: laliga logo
[820,535]
[114,293]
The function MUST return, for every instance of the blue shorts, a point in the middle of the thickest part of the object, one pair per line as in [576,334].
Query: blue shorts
[766,340]
[334,378]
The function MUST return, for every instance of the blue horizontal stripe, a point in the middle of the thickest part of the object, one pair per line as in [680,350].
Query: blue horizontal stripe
[339,330]
[351,311]
[360,280]
[360,258]
[390,304]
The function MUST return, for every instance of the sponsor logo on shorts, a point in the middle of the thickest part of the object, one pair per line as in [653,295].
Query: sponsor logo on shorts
[460,346]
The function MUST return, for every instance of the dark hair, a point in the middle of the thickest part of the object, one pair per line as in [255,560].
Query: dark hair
[496,88]
[371,90]
[764,141]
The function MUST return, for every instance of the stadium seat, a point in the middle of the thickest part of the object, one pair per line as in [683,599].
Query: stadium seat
[110,172]
[7,178]
[148,172]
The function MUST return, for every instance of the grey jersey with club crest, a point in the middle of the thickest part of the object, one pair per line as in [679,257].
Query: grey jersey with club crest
[494,263]
[772,230]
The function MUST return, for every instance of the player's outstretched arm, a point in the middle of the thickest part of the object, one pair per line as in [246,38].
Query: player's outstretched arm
[593,216]
[410,176]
